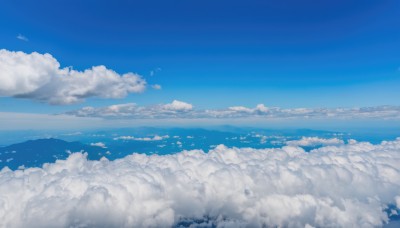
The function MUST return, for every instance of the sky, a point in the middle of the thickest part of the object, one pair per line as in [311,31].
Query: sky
[70,65]
[210,54]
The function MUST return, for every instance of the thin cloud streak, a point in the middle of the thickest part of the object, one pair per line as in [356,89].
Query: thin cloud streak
[22,37]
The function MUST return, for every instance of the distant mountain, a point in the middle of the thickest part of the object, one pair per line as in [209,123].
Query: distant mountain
[37,152]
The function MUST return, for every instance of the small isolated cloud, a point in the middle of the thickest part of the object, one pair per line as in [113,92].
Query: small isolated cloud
[39,77]
[22,37]
[153,72]
[349,185]
[315,141]
[178,106]
[73,133]
[156,87]
[263,138]
[99,144]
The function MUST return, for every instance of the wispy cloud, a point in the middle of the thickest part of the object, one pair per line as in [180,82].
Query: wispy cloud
[22,37]
[156,86]
[23,121]
[99,144]
[39,77]
[155,71]
[154,138]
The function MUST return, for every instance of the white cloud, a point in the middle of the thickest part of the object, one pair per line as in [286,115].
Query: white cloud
[99,144]
[336,186]
[156,86]
[22,37]
[132,110]
[39,77]
[315,141]
[154,138]
[263,138]
[124,138]
[178,106]
[240,109]
[182,110]
[398,202]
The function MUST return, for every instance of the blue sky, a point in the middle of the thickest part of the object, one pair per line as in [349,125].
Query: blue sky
[217,54]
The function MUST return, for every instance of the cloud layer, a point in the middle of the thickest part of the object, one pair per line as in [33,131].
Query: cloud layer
[39,77]
[131,110]
[179,109]
[348,185]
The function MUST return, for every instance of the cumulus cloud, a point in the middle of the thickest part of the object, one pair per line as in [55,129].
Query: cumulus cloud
[178,106]
[39,77]
[315,141]
[348,185]
[180,109]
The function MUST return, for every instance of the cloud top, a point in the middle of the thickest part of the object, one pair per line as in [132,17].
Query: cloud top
[347,185]
[39,77]
[315,141]
[178,106]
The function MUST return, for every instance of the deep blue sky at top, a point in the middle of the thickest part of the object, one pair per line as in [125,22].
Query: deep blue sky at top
[217,53]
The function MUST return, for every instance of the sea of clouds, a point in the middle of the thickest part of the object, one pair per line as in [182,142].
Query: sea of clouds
[346,185]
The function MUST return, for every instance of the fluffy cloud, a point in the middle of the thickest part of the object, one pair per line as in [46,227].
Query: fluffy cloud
[180,109]
[178,106]
[336,186]
[39,77]
[315,141]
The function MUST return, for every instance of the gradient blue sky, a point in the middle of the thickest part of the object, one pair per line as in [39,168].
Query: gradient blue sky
[216,54]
